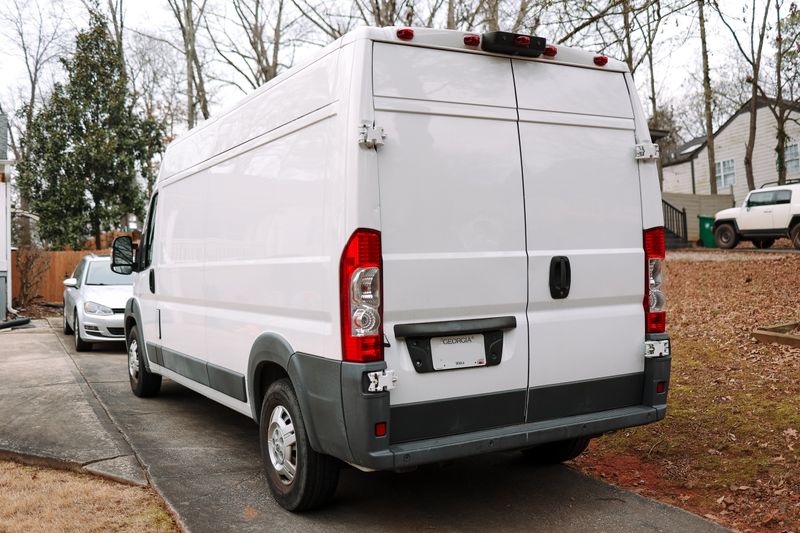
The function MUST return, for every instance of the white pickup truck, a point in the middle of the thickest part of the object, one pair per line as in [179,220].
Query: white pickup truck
[767,214]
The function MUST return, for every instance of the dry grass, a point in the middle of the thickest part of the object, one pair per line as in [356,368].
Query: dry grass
[729,448]
[41,499]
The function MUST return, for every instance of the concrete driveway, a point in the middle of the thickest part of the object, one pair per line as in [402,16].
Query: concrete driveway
[204,460]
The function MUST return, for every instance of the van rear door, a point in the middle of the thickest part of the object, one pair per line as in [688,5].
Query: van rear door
[453,238]
[583,209]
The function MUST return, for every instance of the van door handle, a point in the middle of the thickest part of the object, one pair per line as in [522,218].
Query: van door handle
[560,277]
[153,280]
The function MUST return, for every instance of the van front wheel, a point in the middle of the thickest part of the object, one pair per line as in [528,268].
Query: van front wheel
[144,384]
[298,477]
[556,452]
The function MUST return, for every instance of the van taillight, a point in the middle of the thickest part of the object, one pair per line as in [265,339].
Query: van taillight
[360,288]
[654,300]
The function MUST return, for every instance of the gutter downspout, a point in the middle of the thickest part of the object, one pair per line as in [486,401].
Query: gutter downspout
[694,190]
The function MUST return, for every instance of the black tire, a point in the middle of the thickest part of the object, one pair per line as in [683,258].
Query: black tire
[794,234]
[315,476]
[67,327]
[144,383]
[556,452]
[725,236]
[80,344]
[763,243]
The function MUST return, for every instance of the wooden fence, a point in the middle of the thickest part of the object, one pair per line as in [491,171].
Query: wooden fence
[51,287]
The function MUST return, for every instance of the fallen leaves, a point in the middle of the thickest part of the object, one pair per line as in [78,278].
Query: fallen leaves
[729,448]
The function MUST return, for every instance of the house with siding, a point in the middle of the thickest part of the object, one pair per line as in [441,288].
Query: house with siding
[686,170]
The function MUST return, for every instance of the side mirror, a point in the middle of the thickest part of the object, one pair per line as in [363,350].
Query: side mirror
[70,283]
[122,261]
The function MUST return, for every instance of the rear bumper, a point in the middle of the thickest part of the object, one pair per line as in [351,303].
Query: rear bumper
[341,416]
[512,437]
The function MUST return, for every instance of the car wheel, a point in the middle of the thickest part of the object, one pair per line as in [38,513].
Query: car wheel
[725,236]
[80,344]
[298,477]
[67,327]
[795,236]
[144,383]
[763,243]
[556,452]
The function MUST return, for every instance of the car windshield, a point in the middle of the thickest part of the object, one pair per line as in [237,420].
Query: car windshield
[100,273]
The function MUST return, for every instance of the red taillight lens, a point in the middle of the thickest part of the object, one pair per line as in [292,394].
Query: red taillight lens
[360,296]
[472,40]
[600,61]
[405,34]
[550,51]
[522,40]
[654,299]
[380,429]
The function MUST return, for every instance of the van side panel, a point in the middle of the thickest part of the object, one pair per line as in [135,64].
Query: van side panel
[245,245]
[285,99]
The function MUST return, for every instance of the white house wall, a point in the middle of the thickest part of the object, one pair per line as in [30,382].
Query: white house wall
[730,144]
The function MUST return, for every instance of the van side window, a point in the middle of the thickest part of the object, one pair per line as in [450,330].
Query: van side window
[783,197]
[147,248]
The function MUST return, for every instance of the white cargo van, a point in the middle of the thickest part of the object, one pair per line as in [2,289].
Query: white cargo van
[420,245]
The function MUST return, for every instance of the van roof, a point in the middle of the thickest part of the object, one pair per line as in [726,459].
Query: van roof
[454,40]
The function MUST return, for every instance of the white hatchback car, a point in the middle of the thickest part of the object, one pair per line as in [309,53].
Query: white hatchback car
[94,302]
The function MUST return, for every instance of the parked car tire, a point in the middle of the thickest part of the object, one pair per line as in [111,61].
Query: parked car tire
[67,327]
[556,452]
[144,384]
[763,243]
[725,236]
[80,344]
[298,477]
[795,236]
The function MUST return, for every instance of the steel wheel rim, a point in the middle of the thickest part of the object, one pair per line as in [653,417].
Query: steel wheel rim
[282,444]
[133,359]
[725,236]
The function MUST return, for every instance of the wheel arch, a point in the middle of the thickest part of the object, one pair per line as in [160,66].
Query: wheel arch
[794,222]
[731,221]
[268,362]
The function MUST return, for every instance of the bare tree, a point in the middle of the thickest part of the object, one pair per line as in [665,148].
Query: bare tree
[709,118]
[188,14]
[37,33]
[753,56]
[252,40]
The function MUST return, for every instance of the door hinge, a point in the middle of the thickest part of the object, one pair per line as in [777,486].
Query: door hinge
[646,152]
[370,135]
[381,380]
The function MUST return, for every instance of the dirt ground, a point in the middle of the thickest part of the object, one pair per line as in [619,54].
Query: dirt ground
[729,448]
[36,499]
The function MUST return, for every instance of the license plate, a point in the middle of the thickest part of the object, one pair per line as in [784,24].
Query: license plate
[656,348]
[462,351]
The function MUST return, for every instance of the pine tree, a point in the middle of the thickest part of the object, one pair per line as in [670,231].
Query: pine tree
[88,146]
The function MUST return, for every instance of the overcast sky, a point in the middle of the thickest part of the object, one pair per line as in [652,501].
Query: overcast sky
[678,52]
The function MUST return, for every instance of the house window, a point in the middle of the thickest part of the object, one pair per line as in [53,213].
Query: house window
[726,173]
[793,159]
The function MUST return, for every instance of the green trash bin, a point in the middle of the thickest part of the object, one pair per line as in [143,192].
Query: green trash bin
[707,231]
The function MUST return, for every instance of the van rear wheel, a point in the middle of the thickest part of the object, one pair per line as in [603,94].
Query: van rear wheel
[556,452]
[144,384]
[725,236]
[298,477]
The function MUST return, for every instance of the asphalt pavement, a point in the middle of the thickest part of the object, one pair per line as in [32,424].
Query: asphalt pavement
[204,460]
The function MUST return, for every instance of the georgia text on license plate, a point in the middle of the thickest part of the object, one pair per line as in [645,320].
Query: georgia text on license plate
[460,351]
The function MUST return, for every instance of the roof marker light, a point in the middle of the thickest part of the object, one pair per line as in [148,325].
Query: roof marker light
[405,34]
[550,51]
[522,40]
[472,39]
[600,61]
